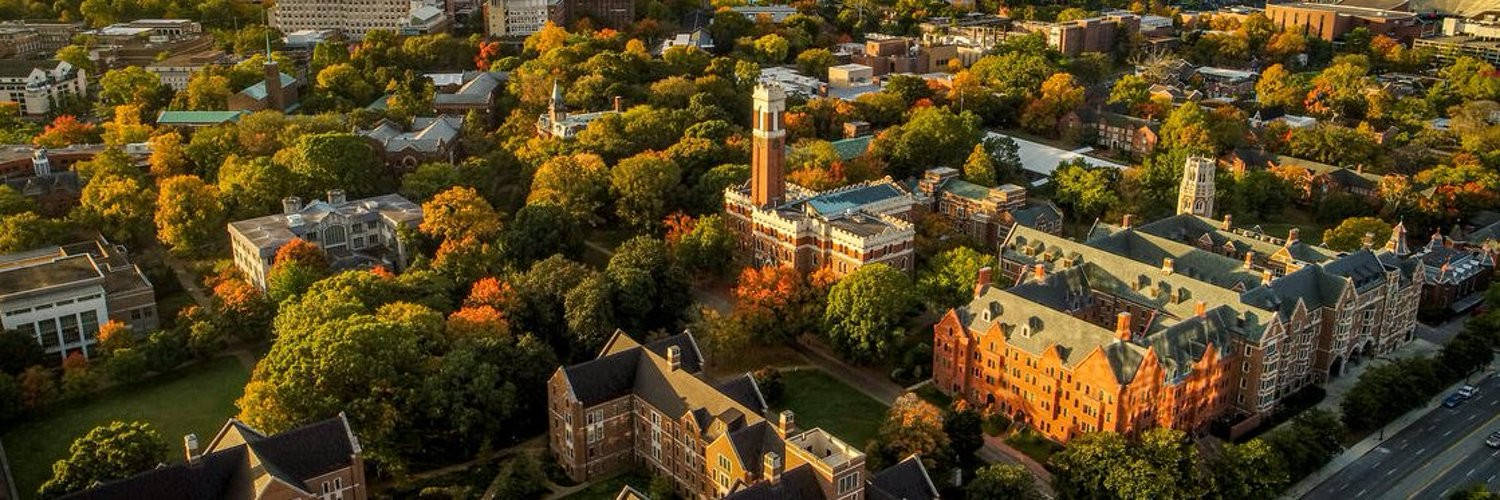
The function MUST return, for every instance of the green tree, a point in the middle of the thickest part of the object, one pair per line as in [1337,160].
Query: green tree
[251,187]
[815,62]
[13,202]
[947,280]
[540,230]
[642,186]
[189,217]
[1351,234]
[1251,469]
[708,249]
[980,167]
[1308,442]
[1132,91]
[1279,88]
[650,290]
[19,351]
[133,85]
[324,161]
[578,183]
[1003,481]
[1060,95]
[866,310]
[25,231]
[1088,191]
[106,453]
[771,49]
[933,137]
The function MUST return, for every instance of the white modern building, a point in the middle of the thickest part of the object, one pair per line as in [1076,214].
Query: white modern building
[60,295]
[354,18]
[352,234]
[38,88]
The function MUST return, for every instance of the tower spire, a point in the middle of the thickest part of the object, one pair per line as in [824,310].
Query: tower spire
[1196,193]
[1397,244]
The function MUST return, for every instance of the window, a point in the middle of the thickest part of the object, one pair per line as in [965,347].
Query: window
[48,329]
[848,483]
[723,462]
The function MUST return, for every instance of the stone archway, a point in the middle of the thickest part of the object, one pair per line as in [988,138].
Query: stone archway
[1336,368]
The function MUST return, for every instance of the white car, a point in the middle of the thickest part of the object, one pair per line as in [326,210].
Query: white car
[1467,391]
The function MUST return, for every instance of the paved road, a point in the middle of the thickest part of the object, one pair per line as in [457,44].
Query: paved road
[1442,451]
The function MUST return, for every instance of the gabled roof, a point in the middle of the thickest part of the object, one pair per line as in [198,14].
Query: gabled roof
[800,483]
[258,91]
[626,367]
[907,480]
[176,117]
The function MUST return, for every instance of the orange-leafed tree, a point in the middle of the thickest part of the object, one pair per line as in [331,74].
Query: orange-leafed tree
[65,130]
[776,300]
[474,322]
[114,335]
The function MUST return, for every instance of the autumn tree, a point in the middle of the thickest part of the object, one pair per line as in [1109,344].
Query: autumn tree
[126,128]
[65,130]
[26,231]
[251,187]
[1131,91]
[578,183]
[540,230]
[707,249]
[106,453]
[934,136]
[1338,90]
[168,158]
[776,302]
[121,205]
[1279,88]
[1003,481]
[459,213]
[296,266]
[189,217]
[947,280]
[324,161]
[911,427]
[1159,463]
[1059,96]
[133,85]
[1354,231]
[815,62]
[650,290]
[866,311]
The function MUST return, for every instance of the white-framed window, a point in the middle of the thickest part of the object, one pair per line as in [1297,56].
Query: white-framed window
[848,483]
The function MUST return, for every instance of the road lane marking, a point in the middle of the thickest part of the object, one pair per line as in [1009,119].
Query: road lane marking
[1404,445]
[1470,473]
[1360,494]
[1456,443]
[1419,452]
[1449,433]
[1389,472]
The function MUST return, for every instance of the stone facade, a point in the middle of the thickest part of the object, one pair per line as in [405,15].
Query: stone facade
[780,223]
[37,88]
[983,213]
[359,233]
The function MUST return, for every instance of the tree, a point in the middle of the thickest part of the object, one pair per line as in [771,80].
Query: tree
[1278,87]
[642,185]
[168,157]
[207,90]
[1188,128]
[912,426]
[324,161]
[65,130]
[540,230]
[578,183]
[776,302]
[119,204]
[1087,190]
[106,453]
[1060,95]
[1338,90]
[1352,233]
[26,231]
[1160,463]
[1003,481]
[251,187]
[1251,469]
[771,49]
[19,351]
[650,290]
[126,127]
[459,213]
[707,249]
[297,265]
[133,85]
[865,311]
[1308,442]
[13,202]
[980,167]
[815,62]
[934,136]
[189,217]
[78,56]
[345,82]
[1131,91]
[947,280]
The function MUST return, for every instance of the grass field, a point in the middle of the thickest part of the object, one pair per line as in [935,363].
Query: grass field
[196,400]
[608,489]
[819,400]
[1033,445]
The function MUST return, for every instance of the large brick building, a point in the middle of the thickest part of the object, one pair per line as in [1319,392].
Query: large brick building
[1174,323]
[983,213]
[780,223]
[1330,22]
[650,407]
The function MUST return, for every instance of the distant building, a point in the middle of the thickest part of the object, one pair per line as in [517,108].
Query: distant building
[1227,83]
[276,91]
[558,123]
[320,460]
[177,70]
[51,35]
[1095,34]
[520,18]
[1120,131]
[1456,275]
[429,139]
[698,38]
[649,407]
[55,192]
[154,30]
[774,13]
[59,295]
[355,18]
[19,42]
[197,119]
[353,234]
[850,75]
[1311,180]
[984,213]
[37,86]
[780,223]
[308,39]
[605,13]
[1330,22]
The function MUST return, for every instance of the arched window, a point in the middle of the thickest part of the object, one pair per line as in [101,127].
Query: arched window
[333,236]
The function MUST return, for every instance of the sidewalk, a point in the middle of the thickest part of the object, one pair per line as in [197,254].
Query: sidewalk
[1012,455]
[1370,442]
[872,384]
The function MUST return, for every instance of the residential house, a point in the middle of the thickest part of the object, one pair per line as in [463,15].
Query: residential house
[59,295]
[352,234]
[38,86]
[698,39]
[321,460]
[1457,276]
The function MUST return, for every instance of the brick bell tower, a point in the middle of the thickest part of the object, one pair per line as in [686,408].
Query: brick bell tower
[768,147]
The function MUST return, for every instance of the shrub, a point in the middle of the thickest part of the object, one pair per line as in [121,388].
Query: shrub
[771,385]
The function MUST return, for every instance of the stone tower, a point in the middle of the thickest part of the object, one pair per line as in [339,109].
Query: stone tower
[556,109]
[768,148]
[1196,193]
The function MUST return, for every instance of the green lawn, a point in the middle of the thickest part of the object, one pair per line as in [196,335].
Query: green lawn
[1034,445]
[819,400]
[608,489]
[196,400]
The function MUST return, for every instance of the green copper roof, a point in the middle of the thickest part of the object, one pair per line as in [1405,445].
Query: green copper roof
[852,147]
[197,117]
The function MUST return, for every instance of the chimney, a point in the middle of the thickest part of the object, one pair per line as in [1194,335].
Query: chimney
[1122,326]
[619,104]
[771,466]
[190,445]
[1125,222]
[674,357]
[983,281]
[1249,259]
[336,197]
[1265,277]
[1368,241]
[1291,236]
[1228,222]
[786,423]
[1040,271]
[1201,309]
[291,205]
[1166,265]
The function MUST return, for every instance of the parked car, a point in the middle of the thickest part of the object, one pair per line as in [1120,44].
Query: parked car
[1467,391]
[1493,441]
[1453,400]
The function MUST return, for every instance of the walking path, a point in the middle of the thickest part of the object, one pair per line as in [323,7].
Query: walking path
[188,280]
